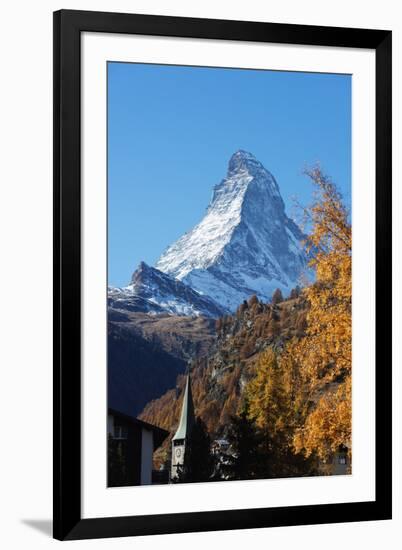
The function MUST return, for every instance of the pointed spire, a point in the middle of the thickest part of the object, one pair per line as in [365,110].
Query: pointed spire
[187,417]
[243,160]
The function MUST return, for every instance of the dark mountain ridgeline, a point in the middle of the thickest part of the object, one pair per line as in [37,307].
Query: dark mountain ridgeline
[147,352]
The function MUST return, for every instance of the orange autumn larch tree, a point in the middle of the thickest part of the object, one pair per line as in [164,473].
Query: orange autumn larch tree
[324,355]
[301,395]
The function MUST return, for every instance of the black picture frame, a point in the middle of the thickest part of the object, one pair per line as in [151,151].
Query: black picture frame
[68,26]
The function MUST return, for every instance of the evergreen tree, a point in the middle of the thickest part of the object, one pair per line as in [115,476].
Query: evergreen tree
[244,459]
[198,460]
[295,293]
[277,297]
[242,308]
[253,300]
[247,349]
[274,327]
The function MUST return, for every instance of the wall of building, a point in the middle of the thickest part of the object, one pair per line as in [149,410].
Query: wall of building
[147,449]
[110,424]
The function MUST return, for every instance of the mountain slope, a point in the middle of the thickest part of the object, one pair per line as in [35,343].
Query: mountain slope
[147,352]
[244,245]
[138,370]
[152,291]
[182,337]
[218,379]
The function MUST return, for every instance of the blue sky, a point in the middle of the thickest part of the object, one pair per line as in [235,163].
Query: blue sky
[172,130]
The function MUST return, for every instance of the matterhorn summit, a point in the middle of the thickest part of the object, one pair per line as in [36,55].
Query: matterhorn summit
[244,245]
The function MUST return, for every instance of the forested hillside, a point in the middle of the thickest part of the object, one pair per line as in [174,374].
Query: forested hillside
[218,379]
[283,370]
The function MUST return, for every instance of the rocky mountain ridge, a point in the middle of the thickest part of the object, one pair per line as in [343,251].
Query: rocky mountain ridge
[154,292]
[245,244]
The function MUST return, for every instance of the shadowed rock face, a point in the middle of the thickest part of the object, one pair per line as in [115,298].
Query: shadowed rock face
[138,370]
[147,352]
[244,245]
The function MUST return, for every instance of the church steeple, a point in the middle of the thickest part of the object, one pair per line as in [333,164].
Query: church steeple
[187,417]
[183,432]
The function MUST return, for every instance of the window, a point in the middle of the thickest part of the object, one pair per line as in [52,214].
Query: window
[120,432]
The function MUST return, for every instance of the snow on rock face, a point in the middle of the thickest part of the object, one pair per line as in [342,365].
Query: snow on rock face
[155,292]
[244,245]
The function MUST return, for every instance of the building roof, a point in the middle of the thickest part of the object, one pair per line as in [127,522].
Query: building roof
[187,418]
[159,433]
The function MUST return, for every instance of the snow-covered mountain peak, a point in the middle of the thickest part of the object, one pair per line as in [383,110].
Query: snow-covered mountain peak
[152,291]
[142,272]
[245,243]
[243,161]
[243,169]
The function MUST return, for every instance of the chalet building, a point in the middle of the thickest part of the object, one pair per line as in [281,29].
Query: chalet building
[338,464]
[131,443]
[183,433]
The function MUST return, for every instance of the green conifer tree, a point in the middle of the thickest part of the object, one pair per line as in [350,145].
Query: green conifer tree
[198,459]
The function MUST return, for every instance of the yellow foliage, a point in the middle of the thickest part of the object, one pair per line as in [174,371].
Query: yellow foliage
[329,425]
[262,392]
[325,354]
[327,350]
[305,393]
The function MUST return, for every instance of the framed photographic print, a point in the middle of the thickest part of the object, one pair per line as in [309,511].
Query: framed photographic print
[222,274]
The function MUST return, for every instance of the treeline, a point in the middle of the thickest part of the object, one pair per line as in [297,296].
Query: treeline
[257,324]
